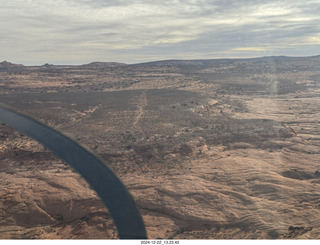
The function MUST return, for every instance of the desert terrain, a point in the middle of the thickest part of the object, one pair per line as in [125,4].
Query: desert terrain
[209,149]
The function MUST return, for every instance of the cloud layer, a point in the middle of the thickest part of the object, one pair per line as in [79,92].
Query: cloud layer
[81,31]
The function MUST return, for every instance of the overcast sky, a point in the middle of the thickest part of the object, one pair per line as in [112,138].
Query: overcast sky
[34,32]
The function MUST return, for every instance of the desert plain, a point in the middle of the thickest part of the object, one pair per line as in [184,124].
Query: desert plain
[209,149]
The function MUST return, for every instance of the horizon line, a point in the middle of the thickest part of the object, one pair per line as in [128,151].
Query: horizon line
[164,60]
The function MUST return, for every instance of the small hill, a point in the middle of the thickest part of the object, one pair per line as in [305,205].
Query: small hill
[208,62]
[8,65]
[186,62]
[103,64]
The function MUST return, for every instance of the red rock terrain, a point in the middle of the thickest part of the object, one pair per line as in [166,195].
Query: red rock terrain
[209,150]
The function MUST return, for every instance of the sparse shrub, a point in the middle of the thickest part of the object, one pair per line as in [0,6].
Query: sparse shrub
[185,150]
[177,232]
[85,218]
[218,227]
[60,217]
[295,228]
[273,234]
[245,227]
